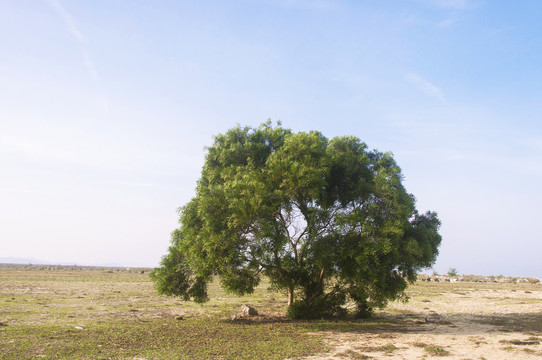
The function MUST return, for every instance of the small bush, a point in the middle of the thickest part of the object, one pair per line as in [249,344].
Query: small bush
[452,272]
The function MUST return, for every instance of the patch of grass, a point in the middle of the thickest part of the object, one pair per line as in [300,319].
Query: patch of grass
[432,350]
[435,350]
[419,344]
[388,348]
[194,338]
[350,354]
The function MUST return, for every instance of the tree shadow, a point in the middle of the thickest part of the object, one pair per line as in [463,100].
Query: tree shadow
[513,322]
[412,323]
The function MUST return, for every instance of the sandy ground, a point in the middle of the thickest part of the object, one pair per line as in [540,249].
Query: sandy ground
[455,323]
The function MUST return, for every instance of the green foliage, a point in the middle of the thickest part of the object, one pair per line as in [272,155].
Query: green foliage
[435,350]
[174,276]
[322,219]
[319,307]
[452,272]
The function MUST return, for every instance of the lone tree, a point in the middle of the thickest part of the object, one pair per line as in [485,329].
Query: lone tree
[327,221]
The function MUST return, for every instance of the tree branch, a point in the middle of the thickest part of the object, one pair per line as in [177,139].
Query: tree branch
[293,244]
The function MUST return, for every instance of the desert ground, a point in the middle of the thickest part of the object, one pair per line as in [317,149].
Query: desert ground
[59,312]
[456,321]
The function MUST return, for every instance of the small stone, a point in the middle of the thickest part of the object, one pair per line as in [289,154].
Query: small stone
[79,328]
[248,310]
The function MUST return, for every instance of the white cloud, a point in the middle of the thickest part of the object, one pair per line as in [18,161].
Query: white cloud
[68,19]
[72,27]
[426,86]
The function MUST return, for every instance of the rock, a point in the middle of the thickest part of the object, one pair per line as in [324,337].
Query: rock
[179,318]
[248,310]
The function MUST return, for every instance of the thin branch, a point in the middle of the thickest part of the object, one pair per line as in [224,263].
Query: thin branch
[292,243]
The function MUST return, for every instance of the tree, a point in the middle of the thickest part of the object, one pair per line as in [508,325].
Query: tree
[326,221]
[452,272]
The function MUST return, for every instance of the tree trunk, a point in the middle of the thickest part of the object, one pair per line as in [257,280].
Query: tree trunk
[290,295]
[321,282]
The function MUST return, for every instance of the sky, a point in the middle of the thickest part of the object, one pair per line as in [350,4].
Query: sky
[106,108]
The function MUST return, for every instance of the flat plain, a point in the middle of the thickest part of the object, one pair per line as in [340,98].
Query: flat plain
[55,312]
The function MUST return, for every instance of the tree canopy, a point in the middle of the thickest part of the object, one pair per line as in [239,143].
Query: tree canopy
[327,221]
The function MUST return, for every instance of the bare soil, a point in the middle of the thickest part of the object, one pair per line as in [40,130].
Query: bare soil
[453,321]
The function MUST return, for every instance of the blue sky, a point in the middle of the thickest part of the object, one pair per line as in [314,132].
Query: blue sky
[106,107]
